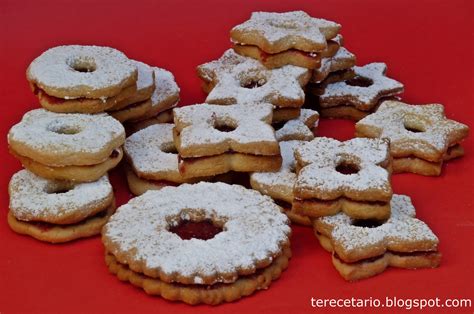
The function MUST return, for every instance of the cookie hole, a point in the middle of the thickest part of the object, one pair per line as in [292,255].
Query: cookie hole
[82,64]
[62,128]
[411,127]
[347,168]
[284,24]
[224,126]
[170,149]
[59,189]
[367,223]
[253,83]
[202,230]
[360,81]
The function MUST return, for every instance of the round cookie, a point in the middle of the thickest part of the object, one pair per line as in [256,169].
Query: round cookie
[76,71]
[58,211]
[150,236]
[56,139]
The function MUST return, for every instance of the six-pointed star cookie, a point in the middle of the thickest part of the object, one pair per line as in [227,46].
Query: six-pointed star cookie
[277,32]
[244,80]
[363,91]
[401,241]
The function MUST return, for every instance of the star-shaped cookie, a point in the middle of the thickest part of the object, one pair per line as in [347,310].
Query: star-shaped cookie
[366,248]
[277,32]
[363,91]
[243,80]
[414,130]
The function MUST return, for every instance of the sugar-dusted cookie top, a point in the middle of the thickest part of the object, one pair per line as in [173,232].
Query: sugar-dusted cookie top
[364,90]
[356,169]
[300,128]
[419,130]
[276,32]
[254,231]
[205,129]
[402,232]
[239,79]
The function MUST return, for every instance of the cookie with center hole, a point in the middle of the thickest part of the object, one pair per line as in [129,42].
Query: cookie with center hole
[364,248]
[58,211]
[201,243]
[352,176]
[421,136]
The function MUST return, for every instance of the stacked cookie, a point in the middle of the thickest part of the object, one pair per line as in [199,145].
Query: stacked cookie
[71,144]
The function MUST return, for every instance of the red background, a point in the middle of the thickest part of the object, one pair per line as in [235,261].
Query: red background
[427,45]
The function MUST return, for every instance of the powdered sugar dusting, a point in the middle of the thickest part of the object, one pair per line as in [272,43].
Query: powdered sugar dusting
[145,75]
[299,128]
[319,158]
[342,60]
[401,227]
[53,69]
[148,149]
[40,130]
[438,132]
[279,87]
[165,87]
[32,197]
[294,25]
[362,96]
[254,228]
[282,181]
[197,124]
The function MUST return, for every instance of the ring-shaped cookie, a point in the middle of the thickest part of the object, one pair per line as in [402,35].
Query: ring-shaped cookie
[254,233]
[57,139]
[77,71]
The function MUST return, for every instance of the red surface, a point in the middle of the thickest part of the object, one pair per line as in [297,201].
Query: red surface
[426,44]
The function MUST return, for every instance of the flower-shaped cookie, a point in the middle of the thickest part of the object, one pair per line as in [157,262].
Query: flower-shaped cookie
[401,241]
[363,91]
[235,79]
[415,131]
[351,176]
[299,128]
[277,32]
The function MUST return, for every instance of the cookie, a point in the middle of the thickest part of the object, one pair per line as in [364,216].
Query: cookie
[300,128]
[153,157]
[58,211]
[133,111]
[65,142]
[163,117]
[280,39]
[363,93]
[342,60]
[84,75]
[363,249]
[212,139]
[144,87]
[279,185]
[237,79]
[197,224]
[421,136]
[164,98]
[351,176]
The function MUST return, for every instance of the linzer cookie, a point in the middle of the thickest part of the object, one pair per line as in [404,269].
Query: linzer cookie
[278,39]
[279,185]
[83,79]
[75,147]
[365,248]
[341,61]
[58,211]
[203,243]
[359,96]
[300,128]
[351,176]
[153,159]
[421,136]
[164,98]
[213,139]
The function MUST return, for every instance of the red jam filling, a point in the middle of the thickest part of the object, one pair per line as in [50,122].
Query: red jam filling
[203,230]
